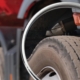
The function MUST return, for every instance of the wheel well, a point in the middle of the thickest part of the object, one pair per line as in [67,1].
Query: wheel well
[39,5]
[41,25]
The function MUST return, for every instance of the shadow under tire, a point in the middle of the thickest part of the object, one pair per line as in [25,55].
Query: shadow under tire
[60,52]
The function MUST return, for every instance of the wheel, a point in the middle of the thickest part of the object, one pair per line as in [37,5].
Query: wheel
[1,64]
[57,58]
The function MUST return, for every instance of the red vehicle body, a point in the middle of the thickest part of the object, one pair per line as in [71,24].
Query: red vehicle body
[9,10]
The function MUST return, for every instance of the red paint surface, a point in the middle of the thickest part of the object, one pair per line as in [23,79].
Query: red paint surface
[10,6]
[8,13]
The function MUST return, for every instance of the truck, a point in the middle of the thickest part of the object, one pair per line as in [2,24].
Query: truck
[40,38]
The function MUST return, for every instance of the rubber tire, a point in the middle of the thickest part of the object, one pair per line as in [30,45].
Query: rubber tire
[60,52]
[1,64]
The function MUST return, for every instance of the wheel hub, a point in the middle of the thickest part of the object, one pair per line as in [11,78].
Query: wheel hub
[48,77]
[53,75]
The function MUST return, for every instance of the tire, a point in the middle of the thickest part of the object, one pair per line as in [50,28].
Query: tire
[60,52]
[1,64]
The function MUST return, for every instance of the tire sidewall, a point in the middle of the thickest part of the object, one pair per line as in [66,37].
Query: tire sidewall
[54,55]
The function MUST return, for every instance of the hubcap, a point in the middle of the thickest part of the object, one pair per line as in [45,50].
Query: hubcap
[48,77]
[53,75]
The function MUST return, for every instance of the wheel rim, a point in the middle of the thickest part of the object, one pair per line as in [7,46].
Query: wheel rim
[52,75]
[48,77]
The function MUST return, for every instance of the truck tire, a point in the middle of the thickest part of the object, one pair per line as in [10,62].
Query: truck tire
[60,54]
[1,64]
